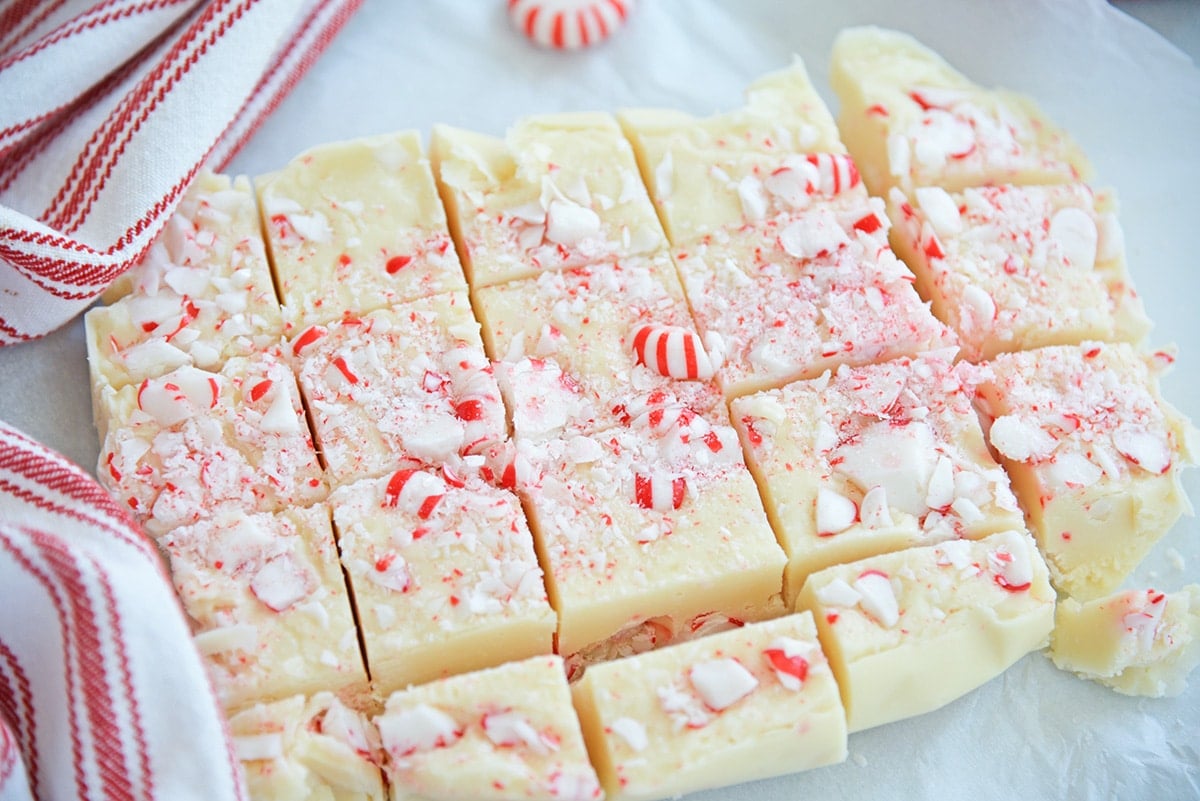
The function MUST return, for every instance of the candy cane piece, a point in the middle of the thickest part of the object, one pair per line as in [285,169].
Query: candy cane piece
[672,351]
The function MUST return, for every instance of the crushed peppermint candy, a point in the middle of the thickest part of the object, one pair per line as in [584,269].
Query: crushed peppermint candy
[790,659]
[632,732]
[418,728]
[721,683]
[672,351]
[878,598]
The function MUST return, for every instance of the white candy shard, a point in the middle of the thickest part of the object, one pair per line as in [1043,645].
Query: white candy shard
[1147,449]
[1076,233]
[508,729]
[721,683]
[420,728]
[878,598]
[898,458]
[940,210]
[835,512]
[1020,440]
[569,223]
[632,732]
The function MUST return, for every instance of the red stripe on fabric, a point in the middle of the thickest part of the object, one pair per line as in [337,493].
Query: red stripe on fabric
[8,755]
[16,705]
[46,505]
[13,15]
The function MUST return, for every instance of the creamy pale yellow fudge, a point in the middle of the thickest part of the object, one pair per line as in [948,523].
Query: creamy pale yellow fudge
[268,605]
[1138,642]
[910,631]
[176,448]
[356,226]
[910,119]
[560,190]
[649,533]
[201,295]
[569,355]
[745,704]
[1018,267]
[444,575]
[308,749]
[1094,454]
[410,382]
[508,732]
[872,459]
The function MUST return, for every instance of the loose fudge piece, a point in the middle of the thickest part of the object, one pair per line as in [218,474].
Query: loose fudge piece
[444,575]
[176,448]
[561,190]
[308,749]
[504,733]
[1019,267]
[411,382]
[1138,642]
[356,226]
[910,631]
[740,705]
[201,295]
[649,534]
[268,605]
[571,360]
[873,459]
[1094,454]
[910,119]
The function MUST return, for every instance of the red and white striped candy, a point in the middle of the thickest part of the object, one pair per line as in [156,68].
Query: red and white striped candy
[836,173]
[659,492]
[672,351]
[414,491]
[568,24]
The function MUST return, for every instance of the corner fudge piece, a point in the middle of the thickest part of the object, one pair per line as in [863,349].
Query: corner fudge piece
[1094,454]
[741,705]
[873,459]
[356,226]
[910,119]
[268,605]
[506,732]
[1138,642]
[910,631]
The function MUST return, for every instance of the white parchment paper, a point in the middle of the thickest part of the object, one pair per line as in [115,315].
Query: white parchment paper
[1133,102]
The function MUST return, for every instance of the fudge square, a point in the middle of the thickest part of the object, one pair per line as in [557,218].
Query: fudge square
[560,190]
[356,226]
[649,533]
[732,707]
[570,357]
[910,119]
[1094,454]
[410,382]
[176,448]
[873,459]
[444,575]
[1019,267]
[268,605]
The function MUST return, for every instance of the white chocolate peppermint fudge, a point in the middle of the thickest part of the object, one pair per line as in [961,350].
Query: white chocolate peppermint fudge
[910,119]
[201,295]
[1094,454]
[908,632]
[308,749]
[745,704]
[1138,642]
[410,382]
[649,534]
[570,360]
[356,226]
[561,190]
[176,448]
[268,605]
[1019,267]
[872,459]
[804,294]
[444,575]
[508,732]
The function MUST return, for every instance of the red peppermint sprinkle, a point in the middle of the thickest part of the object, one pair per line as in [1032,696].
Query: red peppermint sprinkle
[397,263]
[659,492]
[791,665]
[343,368]
[868,224]
[307,337]
[469,410]
[260,389]
[428,505]
[395,486]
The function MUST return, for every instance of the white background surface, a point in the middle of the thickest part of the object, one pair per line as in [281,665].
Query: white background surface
[1130,98]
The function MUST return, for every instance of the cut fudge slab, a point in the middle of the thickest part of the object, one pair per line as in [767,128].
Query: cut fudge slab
[1094,454]
[356,226]
[561,190]
[174,449]
[308,749]
[268,605]
[736,706]
[1138,642]
[568,347]
[910,119]
[649,534]
[504,733]
[1013,268]
[444,575]
[910,631]
[202,294]
[799,296]
[411,382]
[873,459]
